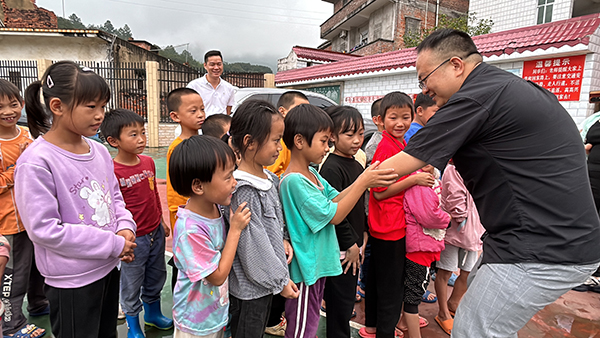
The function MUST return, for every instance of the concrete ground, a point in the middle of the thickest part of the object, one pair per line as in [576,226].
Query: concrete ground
[575,314]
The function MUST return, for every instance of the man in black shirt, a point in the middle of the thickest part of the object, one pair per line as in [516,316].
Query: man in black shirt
[521,157]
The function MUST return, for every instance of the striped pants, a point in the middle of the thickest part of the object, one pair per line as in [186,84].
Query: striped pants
[302,314]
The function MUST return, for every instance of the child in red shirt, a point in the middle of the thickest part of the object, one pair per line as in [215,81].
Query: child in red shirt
[387,225]
[136,174]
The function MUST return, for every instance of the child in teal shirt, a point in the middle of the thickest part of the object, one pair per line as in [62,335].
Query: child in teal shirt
[311,208]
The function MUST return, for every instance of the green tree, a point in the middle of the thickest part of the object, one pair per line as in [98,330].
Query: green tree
[108,27]
[466,23]
[77,24]
[124,32]
[73,22]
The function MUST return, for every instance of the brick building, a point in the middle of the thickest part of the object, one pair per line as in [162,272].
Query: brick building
[511,14]
[562,56]
[25,14]
[367,27]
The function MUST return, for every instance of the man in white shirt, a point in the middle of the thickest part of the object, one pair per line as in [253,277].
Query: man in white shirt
[217,94]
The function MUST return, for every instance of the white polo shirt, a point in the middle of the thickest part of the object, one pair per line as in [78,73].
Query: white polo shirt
[215,100]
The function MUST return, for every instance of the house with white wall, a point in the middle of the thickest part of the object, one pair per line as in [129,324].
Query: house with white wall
[511,14]
[301,57]
[562,56]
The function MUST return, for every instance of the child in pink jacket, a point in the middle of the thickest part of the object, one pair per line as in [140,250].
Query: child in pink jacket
[426,225]
[463,243]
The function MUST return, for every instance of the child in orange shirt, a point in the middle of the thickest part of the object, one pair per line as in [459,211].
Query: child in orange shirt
[21,276]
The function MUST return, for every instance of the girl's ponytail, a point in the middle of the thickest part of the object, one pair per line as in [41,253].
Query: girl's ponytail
[38,119]
[70,83]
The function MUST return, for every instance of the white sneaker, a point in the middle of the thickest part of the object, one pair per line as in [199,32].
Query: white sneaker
[121,314]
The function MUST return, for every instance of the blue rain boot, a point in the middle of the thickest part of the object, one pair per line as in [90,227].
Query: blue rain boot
[154,317]
[133,327]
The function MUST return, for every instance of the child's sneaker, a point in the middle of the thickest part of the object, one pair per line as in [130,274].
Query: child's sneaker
[277,330]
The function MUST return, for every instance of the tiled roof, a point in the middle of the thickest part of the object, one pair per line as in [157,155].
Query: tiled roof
[396,59]
[569,32]
[322,55]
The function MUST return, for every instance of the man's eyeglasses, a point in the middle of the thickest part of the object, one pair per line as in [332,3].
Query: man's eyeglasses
[422,82]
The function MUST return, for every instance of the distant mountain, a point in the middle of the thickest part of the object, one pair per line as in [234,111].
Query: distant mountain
[74,22]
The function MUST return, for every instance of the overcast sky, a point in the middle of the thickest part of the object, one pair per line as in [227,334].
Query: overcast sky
[255,31]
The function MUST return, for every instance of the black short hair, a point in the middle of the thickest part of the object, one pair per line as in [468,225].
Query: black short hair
[174,97]
[396,99]
[212,53]
[288,98]
[116,119]
[424,101]
[10,91]
[345,119]
[254,118]
[197,157]
[214,125]
[446,43]
[306,120]
[376,107]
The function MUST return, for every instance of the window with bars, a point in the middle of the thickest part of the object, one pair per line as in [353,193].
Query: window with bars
[544,13]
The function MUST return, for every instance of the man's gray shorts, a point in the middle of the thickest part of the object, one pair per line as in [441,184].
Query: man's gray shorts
[502,298]
[453,258]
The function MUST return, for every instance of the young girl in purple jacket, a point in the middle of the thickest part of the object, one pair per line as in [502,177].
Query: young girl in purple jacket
[70,202]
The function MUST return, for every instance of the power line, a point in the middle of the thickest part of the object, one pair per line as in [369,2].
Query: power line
[261,6]
[213,14]
[233,9]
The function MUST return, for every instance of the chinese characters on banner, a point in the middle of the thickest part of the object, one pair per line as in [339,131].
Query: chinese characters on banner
[369,99]
[561,76]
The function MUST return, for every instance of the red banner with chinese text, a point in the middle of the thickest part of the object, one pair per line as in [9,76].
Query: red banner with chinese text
[561,76]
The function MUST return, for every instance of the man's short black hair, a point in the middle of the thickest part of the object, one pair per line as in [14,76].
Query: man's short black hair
[214,125]
[396,99]
[212,53]
[197,157]
[174,97]
[288,98]
[446,43]
[424,101]
[10,91]
[376,108]
[306,120]
[117,119]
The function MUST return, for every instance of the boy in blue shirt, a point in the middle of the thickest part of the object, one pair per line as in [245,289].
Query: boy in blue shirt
[311,208]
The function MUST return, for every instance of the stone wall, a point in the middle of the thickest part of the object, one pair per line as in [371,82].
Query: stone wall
[166,134]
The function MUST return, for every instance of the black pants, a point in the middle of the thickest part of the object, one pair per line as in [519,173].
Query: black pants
[86,312]
[385,286]
[248,318]
[277,308]
[340,296]
[21,276]
[595,183]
